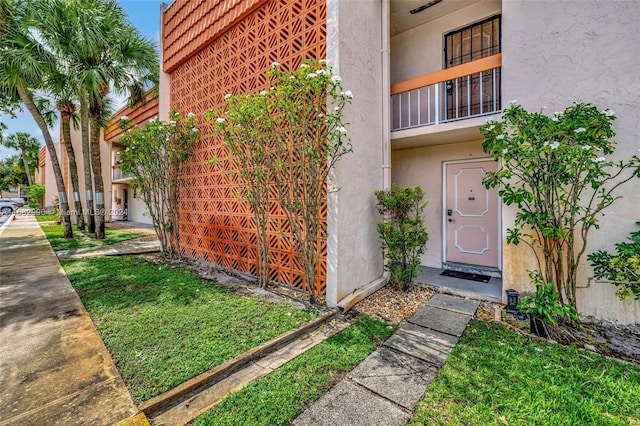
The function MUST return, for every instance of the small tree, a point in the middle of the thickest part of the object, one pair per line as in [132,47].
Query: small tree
[309,138]
[247,131]
[554,170]
[402,234]
[154,156]
[290,136]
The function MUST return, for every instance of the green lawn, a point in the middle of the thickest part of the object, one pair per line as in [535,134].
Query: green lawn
[281,396]
[55,234]
[47,217]
[495,376]
[164,325]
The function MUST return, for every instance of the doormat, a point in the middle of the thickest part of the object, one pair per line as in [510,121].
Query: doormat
[466,276]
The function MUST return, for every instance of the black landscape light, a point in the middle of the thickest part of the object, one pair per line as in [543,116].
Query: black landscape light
[513,298]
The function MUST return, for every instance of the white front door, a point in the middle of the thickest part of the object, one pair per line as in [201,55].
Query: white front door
[471,211]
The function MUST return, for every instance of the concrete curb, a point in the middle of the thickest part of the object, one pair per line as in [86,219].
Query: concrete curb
[181,392]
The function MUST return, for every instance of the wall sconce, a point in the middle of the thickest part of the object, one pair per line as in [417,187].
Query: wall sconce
[513,298]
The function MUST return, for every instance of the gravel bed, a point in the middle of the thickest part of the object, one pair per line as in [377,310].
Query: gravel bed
[392,305]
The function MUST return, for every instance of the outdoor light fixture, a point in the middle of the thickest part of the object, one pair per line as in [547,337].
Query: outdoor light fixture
[513,297]
[424,6]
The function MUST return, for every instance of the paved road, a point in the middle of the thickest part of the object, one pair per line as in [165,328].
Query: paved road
[54,368]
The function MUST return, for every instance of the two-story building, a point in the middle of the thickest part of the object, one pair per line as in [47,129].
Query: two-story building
[425,75]
[121,200]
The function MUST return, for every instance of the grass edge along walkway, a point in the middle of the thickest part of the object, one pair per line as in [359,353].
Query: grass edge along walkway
[164,325]
[55,235]
[180,405]
[278,398]
[496,376]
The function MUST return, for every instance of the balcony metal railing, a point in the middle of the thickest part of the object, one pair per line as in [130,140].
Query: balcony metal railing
[464,91]
[119,174]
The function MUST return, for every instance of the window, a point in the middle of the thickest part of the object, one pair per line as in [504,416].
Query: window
[473,42]
[479,93]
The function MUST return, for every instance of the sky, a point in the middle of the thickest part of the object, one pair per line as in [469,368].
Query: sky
[144,15]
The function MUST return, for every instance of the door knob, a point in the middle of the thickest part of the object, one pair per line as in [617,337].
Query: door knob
[451,220]
[449,212]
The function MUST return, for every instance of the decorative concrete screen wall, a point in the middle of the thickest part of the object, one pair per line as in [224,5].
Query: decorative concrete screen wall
[211,48]
[42,165]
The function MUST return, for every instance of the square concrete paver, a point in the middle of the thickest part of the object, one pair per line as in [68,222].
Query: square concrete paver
[428,345]
[347,404]
[441,320]
[398,377]
[454,303]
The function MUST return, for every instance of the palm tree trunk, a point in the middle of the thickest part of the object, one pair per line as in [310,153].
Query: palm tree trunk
[96,168]
[25,162]
[27,99]
[88,181]
[65,117]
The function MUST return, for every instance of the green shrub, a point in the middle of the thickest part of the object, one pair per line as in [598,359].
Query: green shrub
[403,235]
[622,269]
[545,305]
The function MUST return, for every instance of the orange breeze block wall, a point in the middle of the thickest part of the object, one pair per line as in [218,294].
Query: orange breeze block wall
[212,48]
[42,165]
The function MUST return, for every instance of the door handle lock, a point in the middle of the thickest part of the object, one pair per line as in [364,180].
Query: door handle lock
[449,212]
[451,220]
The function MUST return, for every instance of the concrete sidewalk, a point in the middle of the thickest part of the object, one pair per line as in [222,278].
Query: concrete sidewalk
[54,368]
[385,387]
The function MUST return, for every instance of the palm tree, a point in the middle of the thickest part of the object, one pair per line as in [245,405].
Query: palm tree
[57,28]
[26,144]
[67,109]
[110,53]
[23,63]
[86,157]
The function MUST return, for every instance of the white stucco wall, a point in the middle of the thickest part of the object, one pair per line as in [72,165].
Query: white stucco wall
[164,83]
[419,51]
[557,52]
[137,209]
[423,167]
[353,49]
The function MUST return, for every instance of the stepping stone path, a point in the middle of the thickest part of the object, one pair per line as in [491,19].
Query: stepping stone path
[385,387]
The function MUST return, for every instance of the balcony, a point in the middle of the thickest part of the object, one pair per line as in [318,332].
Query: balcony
[465,91]
[118,174]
